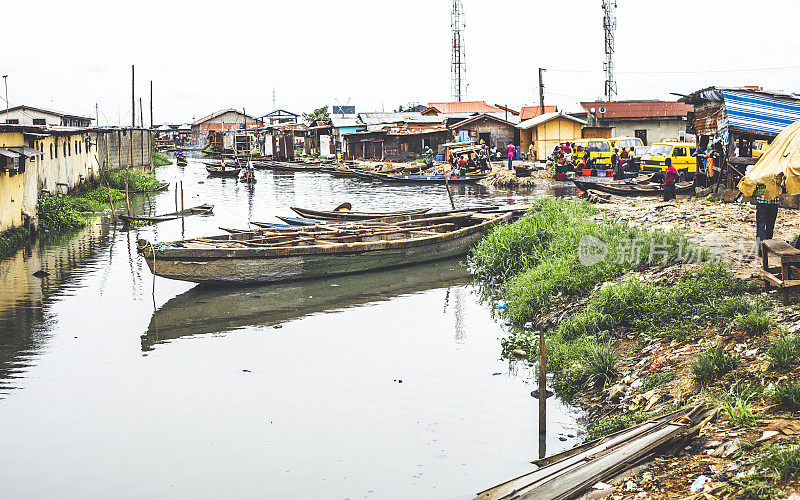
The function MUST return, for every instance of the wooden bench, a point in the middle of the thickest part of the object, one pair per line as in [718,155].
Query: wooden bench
[788,257]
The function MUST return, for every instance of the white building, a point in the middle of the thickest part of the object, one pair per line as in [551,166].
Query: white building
[29,115]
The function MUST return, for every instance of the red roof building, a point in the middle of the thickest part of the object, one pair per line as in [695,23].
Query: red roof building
[651,121]
[461,107]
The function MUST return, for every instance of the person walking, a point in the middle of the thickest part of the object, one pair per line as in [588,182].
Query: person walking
[766,213]
[670,178]
[511,150]
[483,159]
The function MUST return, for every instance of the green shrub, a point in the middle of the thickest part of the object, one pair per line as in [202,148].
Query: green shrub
[787,395]
[58,213]
[780,461]
[137,181]
[656,379]
[100,195]
[783,351]
[754,322]
[160,159]
[713,363]
[12,239]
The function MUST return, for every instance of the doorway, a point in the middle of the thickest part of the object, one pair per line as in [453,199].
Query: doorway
[486,137]
[641,134]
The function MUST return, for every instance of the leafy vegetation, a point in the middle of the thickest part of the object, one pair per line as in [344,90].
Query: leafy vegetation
[783,352]
[780,461]
[713,363]
[12,239]
[753,488]
[160,159]
[137,181]
[787,395]
[610,425]
[754,322]
[319,114]
[656,379]
[58,213]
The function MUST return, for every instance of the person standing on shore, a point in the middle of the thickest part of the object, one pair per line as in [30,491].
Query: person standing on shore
[766,213]
[670,178]
[512,150]
[428,158]
[483,159]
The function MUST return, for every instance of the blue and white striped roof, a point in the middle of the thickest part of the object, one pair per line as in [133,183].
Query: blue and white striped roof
[760,113]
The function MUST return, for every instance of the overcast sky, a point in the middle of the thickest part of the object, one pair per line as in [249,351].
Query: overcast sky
[376,55]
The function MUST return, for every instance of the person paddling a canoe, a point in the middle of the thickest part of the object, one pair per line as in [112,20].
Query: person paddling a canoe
[428,157]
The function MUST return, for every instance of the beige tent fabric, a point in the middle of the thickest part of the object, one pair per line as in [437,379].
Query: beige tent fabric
[779,164]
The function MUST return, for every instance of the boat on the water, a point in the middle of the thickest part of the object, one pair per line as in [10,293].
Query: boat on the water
[276,254]
[223,172]
[348,215]
[625,188]
[204,209]
[437,179]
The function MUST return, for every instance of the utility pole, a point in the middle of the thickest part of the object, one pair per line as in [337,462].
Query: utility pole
[5,81]
[609,27]
[151,103]
[541,91]
[97,115]
[274,101]
[141,114]
[458,64]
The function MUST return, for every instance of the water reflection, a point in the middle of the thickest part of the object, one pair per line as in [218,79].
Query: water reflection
[24,324]
[210,310]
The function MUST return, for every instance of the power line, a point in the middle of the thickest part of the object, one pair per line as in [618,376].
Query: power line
[700,72]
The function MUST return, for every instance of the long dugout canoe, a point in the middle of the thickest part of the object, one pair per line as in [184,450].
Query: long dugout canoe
[225,260]
[348,215]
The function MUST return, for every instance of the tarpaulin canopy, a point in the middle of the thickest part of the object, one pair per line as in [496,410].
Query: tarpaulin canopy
[779,165]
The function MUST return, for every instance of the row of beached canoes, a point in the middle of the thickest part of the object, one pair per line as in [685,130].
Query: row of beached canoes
[320,247]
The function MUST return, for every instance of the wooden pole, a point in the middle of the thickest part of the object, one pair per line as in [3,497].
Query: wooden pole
[542,395]
[130,141]
[176,196]
[181,195]
[541,91]
[141,114]
[151,103]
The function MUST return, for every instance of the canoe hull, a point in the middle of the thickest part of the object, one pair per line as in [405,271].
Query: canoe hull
[231,266]
[330,215]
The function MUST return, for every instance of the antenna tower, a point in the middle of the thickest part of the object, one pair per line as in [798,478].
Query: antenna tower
[274,101]
[458,64]
[609,27]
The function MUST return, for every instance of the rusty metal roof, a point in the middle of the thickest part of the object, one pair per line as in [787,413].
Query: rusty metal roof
[463,107]
[528,112]
[639,109]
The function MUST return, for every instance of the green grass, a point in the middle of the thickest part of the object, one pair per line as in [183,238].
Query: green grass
[754,322]
[739,412]
[161,160]
[753,488]
[656,379]
[599,363]
[783,352]
[781,462]
[58,213]
[713,363]
[12,239]
[787,395]
[610,425]
[681,310]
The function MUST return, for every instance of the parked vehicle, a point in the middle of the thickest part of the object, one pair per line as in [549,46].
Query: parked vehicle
[759,148]
[681,154]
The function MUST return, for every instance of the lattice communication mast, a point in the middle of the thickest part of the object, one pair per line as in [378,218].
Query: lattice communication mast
[458,64]
[609,26]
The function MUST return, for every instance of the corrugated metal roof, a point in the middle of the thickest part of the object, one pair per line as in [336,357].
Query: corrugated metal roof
[546,118]
[345,122]
[760,113]
[482,116]
[528,112]
[464,107]
[638,109]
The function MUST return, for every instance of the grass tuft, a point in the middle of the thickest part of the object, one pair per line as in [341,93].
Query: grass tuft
[787,395]
[656,379]
[712,364]
[783,352]
[781,462]
[754,322]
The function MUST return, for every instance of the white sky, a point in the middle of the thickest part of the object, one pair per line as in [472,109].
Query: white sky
[204,56]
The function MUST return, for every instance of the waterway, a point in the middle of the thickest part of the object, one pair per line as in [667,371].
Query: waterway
[380,385]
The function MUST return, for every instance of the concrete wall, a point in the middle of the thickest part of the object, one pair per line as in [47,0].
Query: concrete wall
[67,160]
[657,130]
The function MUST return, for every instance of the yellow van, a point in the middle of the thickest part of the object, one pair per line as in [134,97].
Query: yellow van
[681,154]
[759,148]
[626,142]
[602,149]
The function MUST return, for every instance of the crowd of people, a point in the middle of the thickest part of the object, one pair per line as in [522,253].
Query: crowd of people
[568,156]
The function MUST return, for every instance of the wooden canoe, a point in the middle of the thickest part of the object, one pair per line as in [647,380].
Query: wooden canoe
[431,179]
[198,210]
[161,187]
[273,255]
[226,172]
[624,188]
[347,215]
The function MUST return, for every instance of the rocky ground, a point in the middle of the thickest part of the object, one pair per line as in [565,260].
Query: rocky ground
[721,462]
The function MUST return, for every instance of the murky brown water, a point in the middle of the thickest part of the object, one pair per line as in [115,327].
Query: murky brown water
[282,391]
